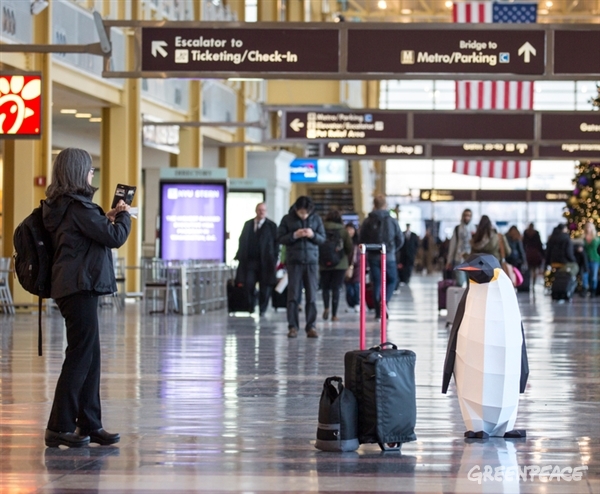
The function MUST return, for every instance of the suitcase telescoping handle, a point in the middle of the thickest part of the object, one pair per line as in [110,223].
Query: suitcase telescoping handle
[363,248]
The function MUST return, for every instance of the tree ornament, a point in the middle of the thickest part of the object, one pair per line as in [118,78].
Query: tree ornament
[584,194]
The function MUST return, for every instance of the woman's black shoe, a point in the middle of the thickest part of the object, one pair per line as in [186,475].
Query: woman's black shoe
[100,436]
[70,439]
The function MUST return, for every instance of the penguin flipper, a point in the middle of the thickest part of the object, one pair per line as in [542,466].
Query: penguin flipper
[524,364]
[451,350]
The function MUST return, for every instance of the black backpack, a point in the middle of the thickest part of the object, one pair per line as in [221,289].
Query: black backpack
[373,229]
[332,251]
[33,260]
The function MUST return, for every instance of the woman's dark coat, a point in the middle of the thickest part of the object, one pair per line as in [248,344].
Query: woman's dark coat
[82,238]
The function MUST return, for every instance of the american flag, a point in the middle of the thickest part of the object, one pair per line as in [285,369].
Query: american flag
[494,95]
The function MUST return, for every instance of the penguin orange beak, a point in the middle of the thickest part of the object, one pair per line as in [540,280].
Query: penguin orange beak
[466,267]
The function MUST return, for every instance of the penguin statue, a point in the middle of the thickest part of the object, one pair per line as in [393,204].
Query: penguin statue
[486,351]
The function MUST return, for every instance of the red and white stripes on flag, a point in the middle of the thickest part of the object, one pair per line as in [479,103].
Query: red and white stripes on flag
[493,169]
[490,95]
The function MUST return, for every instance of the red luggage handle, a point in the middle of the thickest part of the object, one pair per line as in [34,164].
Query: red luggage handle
[363,248]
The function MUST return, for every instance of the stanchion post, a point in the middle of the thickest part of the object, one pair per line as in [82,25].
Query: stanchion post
[383,295]
[363,292]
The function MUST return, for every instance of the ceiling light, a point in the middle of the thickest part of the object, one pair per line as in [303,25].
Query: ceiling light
[70,111]
[83,115]
[449,4]
[549,4]
[382,4]
[96,119]
[406,11]
[543,11]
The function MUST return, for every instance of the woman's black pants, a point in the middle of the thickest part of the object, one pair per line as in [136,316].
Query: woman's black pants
[77,395]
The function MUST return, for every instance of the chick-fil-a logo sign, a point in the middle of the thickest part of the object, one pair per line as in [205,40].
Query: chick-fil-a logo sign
[20,105]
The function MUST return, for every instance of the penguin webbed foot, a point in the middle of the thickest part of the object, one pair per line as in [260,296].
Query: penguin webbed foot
[516,434]
[477,435]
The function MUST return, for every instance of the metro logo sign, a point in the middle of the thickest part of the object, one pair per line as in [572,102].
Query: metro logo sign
[20,106]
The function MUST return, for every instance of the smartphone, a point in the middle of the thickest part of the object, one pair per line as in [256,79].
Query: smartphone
[124,192]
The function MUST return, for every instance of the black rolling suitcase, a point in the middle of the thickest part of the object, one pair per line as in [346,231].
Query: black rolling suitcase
[279,300]
[237,296]
[383,381]
[563,286]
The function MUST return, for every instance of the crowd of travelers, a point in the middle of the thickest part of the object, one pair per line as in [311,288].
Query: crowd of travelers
[323,254]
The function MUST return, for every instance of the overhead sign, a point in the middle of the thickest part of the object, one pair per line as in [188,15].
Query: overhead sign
[581,126]
[571,151]
[469,150]
[352,150]
[240,50]
[457,51]
[20,106]
[473,126]
[457,134]
[493,150]
[350,50]
[436,195]
[344,125]
[577,52]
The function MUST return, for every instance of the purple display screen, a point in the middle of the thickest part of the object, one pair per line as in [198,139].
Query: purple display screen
[192,221]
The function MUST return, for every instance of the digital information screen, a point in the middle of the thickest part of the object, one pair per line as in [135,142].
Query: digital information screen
[192,221]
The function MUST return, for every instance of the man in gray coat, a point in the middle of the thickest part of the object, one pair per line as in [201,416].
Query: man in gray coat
[302,231]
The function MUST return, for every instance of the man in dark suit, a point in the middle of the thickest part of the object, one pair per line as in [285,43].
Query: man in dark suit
[257,254]
[407,254]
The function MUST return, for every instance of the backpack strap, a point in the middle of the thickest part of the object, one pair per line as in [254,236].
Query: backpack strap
[39,326]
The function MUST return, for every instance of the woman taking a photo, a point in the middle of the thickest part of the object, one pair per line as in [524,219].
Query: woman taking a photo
[82,270]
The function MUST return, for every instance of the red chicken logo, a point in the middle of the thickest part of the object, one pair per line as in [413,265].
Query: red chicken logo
[20,105]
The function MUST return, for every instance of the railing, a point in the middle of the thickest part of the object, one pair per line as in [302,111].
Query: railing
[186,287]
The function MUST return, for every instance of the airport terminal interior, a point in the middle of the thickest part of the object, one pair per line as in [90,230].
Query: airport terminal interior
[197,111]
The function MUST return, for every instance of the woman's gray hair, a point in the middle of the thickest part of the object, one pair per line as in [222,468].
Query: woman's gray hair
[70,174]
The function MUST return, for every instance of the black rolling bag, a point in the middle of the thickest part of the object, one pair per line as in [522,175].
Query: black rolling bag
[383,381]
[279,300]
[237,298]
[563,286]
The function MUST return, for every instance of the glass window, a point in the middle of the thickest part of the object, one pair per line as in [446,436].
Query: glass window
[251,12]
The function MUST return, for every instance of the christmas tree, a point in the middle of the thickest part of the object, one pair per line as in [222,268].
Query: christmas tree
[583,205]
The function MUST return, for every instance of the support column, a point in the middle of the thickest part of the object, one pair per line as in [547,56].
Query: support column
[234,158]
[190,138]
[380,176]
[121,157]
[238,7]
[268,11]
[25,159]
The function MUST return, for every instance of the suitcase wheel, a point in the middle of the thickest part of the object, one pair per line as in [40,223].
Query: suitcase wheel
[390,446]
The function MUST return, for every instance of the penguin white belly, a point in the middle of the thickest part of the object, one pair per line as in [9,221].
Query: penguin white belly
[487,368]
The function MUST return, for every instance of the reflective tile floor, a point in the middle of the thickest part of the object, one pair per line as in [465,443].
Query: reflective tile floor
[212,403]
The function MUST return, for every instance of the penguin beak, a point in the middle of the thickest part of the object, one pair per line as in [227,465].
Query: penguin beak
[466,267]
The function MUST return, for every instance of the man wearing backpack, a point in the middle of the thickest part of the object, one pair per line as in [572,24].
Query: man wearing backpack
[301,231]
[333,261]
[380,228]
